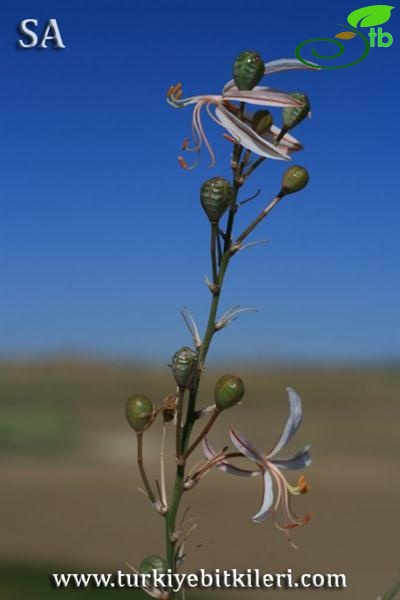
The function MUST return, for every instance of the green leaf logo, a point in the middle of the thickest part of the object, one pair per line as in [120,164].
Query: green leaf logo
[369,16]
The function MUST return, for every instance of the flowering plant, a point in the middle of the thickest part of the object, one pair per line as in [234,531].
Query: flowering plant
[254,138]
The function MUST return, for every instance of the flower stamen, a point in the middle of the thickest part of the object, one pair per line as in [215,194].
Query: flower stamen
[229,138]
[183,163]
[303,485]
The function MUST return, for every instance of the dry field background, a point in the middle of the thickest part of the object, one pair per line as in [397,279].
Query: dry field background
[69,499]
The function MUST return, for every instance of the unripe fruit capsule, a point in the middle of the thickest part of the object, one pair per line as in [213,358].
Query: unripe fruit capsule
[229,390]
[215,197]
[294,180]
[248,69]
[139,412]
[151,563]
[184,363]
[262,121]
[293,115]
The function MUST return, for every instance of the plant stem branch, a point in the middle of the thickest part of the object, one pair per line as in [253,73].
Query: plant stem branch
[256,221]
[179,409]
[224,257]
[231,216]
[214,266]
[202,434]
[150,493]
[170,517]
[162,466]
[253,167]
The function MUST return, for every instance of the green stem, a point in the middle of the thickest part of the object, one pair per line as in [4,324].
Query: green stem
[253,167]
[202,434]
[179,409]
[256,222]
[231,216]
[218,279]
[214,266]
[210,329]
[237,171]
[392,593]
[170,521]
[170,517]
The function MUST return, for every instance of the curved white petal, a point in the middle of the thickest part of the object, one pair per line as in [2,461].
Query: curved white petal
[287,64]
[224,465]
[276,66]
[181,103]
[246,447]
[247,137]
[300,460]
[268,498]
[292,423]
[263,96]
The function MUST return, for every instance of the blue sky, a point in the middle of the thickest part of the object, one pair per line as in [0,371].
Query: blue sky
[102,236]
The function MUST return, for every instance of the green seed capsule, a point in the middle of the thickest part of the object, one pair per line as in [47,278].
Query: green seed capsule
[184,363]
[248,69]
[215,197]
[153,563]
[293,115]
[139,412]
[262,121]
[294,179]
[229,390]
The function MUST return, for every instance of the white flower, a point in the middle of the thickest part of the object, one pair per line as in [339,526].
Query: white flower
[270,466]
[226,114]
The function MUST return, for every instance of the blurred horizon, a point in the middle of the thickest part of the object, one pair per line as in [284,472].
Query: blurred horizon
[259,362]
[68,463]
[98,222]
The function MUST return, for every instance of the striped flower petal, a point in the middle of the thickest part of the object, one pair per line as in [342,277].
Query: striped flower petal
[246,136]
[289,143]
[268,498]
[300,460]
[243,444]
[292,423]
[224,465]
[277,66]
[262,96]
[271,468]
[288,64]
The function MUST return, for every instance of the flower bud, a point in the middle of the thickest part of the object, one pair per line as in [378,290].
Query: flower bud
[248,69]
[293,115]
[229,390]
[153,563]
[262,121]
[139,412]
[294,179]
[184,363]
[215,197]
